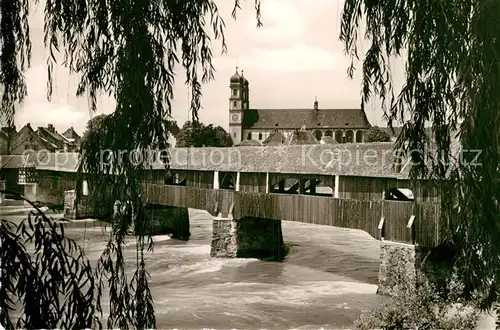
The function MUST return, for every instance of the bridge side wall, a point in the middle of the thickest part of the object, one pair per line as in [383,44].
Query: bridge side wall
[253,182]
[372,188]
[247,238]
[365,188]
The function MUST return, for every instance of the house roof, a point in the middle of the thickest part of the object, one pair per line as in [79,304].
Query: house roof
[53,137]
[70,133]
[398,130]
[276,137]
[17,161]
[26,133]
[328,140]
[301,137]
[296,118]
[350,159]
[248,143]
[6,131]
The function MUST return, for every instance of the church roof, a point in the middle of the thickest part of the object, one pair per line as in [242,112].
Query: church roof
[296,118]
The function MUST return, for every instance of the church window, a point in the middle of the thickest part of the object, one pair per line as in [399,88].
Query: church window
[235,92]
[234,134]
[260,136]
[234,103]
[249,136]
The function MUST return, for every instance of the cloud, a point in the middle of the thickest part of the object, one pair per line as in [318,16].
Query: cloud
[297,46]
[282,25]
[43,113]
[300,57]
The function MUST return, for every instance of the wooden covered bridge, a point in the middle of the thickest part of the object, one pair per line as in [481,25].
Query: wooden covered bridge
[347,185]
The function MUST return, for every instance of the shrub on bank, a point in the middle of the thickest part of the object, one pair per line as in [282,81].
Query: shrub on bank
[421,307]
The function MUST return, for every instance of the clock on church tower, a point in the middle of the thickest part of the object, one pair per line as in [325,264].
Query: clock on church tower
[238,103]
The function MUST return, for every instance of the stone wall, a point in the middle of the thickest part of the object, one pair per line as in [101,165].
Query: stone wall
[30,190]
[83,209]
[247,238]
[399,265]
[69,204]
[51,186]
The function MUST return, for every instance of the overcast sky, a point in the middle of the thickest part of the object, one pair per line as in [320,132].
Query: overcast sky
[294,57]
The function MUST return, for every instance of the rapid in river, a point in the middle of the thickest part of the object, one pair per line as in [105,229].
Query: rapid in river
[328,278]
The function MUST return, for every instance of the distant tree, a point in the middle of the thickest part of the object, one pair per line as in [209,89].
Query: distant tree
[375,134]
[95,128]
[197,134]
[173,128]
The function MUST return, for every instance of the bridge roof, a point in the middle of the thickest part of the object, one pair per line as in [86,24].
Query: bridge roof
[350,159]
[17,161]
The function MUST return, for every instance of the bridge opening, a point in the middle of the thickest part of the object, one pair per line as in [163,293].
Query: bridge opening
[399,194]
[175,179]
[315,187]
[301,186]
[227,180]
[285,186]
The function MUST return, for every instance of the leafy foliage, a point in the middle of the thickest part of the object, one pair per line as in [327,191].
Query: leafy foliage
[420,307]
[452,73]
[95,129]
[15,55]
[375,134]
[46,274]
[128,50]
[97,125]
[197,134]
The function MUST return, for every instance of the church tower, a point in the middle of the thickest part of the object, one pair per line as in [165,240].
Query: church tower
[238,103]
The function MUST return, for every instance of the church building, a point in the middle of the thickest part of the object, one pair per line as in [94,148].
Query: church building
[343,125]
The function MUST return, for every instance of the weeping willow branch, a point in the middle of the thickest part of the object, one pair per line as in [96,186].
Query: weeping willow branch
[15,54]
[129,50]
[452,77]
[53,283]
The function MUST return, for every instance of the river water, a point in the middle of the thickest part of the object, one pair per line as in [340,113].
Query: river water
[327,280]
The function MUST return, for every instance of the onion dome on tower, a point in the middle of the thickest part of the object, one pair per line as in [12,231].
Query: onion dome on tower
[236,78]
[243,80]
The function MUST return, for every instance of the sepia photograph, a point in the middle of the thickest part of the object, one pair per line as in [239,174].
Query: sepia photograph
[258,164]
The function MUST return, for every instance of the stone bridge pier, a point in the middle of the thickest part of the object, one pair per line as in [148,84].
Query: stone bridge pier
[168,220]
[247,238]
[164,219]
[403,264]
[400,265]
